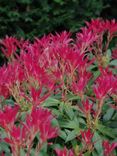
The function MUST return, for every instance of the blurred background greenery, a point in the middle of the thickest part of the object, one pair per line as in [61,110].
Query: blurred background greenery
[29,18]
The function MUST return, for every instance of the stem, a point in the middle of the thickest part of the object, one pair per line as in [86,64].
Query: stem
[29,149]
[38,148]
[16,150]
[108,41]
[88,117]
[31,137]
[99,109]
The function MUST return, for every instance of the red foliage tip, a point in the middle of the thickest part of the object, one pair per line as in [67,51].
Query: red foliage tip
[40,120]
[108,148]
[87,136]
[9,46]
[105,84]
[64,152]
[8,116]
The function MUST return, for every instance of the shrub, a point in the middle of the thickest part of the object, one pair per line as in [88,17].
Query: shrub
[59,95]
[27,18]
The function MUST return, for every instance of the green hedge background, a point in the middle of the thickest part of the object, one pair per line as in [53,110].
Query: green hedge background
[29,18]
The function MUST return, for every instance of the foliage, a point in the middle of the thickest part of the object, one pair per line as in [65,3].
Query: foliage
[28,18]
[110,10]
[58,95]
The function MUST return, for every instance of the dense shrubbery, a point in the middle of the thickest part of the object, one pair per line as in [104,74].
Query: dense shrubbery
[59,95]
[28,18]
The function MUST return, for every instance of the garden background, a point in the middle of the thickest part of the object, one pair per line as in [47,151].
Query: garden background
[29,18]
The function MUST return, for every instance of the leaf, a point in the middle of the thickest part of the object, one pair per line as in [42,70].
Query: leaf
[43,150]
[32,153]
[106,131]
[63,135]
[22,152]
[71,135]
[9,102]
[71,98]
[4,147]
[96,74]
[98,143]
[69,111]
[55,122]
[87,154]
[109,53]
[82,121]
[113,63]
[51,102]
[71,124]
[94,153]
[55,112]
[108,114]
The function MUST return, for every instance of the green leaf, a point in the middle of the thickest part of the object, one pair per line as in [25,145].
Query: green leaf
[43,150]
[69,111]
[22,152]
[32,153]
[71,124]
[98,143]
[9,102]
[55,112]
[51,102]
[87,153]
[96,74]
[94,153]
[4,147]
[82,121]
[106,131]
[71,98]
[55,122]
[63,135]
[71,135]
[113,63]
[108,114]
[109,53]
